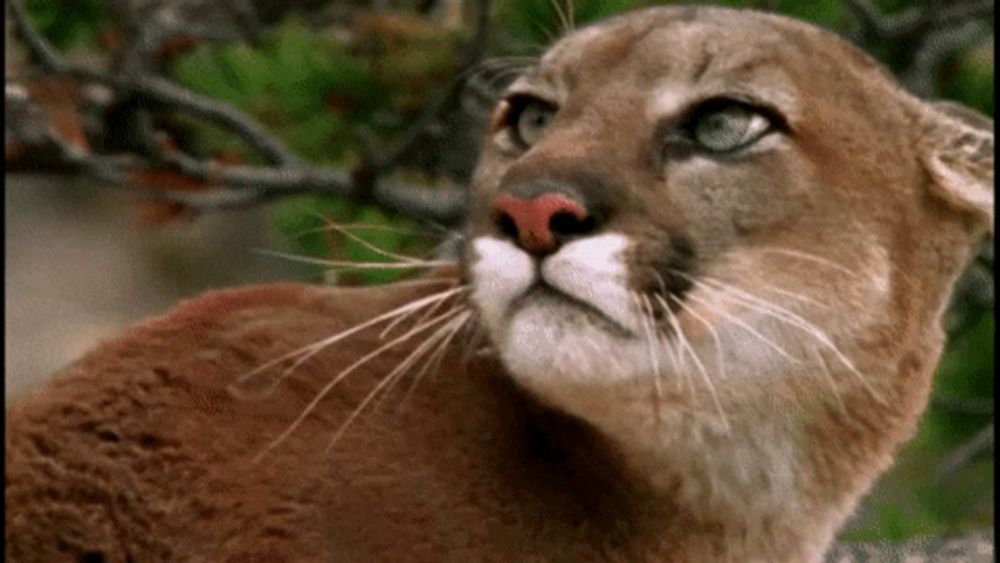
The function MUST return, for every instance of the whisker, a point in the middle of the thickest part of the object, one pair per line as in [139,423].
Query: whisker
[434,306]
[402,318]
[561,14]
[671,351]
[369,227]
[809,257]
[314,348]
[683,341]
[473,346]
[422,318]
[829,377]
[742,324]
[422,282]
[438,354]
[340,377]
[416,264]
[549,34]
[372,247]
[501,63]
[647,325]
[793,295]
[396,373]
[719,358]
[413,356]
[794,320]
[492,81]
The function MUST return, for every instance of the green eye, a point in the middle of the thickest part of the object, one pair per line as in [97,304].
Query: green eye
[532,120]
[728,128]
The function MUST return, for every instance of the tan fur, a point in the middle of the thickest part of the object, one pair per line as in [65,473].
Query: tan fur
[140,451]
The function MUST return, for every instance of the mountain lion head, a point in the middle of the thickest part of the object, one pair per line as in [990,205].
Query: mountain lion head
[693,223]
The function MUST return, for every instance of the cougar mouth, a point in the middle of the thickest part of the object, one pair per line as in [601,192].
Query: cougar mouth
[543,292]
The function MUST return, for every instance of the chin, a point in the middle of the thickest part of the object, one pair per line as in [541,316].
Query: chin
[549,342]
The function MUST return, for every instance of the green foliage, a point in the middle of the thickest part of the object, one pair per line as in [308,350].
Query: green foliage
[970,80]
[312,92]
[306,89]
[49,17]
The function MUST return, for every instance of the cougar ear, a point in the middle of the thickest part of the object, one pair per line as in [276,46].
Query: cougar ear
[957,151]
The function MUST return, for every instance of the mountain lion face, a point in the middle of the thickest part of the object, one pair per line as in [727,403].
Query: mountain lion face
[707,206]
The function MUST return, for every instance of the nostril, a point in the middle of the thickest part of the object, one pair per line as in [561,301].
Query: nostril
[507,225]
[567,223]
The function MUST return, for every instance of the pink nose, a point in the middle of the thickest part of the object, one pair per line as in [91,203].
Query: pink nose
[536,223]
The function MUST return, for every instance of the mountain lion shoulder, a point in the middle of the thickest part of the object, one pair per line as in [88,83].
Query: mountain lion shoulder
[696,313]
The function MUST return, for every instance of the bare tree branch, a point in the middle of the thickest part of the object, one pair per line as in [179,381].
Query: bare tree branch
[966,454]
[877,26]
[406,141]
[962,405]
[933,32]
[240,186]
[154,89]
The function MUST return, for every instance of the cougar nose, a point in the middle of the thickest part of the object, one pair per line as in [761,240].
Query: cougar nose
[539,225]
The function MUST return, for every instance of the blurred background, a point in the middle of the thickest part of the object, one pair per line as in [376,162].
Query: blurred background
[154,148]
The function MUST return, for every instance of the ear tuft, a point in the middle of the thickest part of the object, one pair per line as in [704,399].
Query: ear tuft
[957,150]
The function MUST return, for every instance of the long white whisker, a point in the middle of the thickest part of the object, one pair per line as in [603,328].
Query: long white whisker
[435,357]
[740,323]
[683,341]
[809,257]
[829,377]
[394,376]
[675,355]
[422,282]
[433,307]
[368,227]
[396,322]
[794,320]
[435,337]
[491,83]
[500,64]
[563,21]
[793,295]
[358,265]
[647,325]
[719,358]
[422,318]
[372,247]
[344,373]
[314,348]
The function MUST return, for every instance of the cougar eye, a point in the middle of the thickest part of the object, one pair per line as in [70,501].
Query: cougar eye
[528,120]
[725,127]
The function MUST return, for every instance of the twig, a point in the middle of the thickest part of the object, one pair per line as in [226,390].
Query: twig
[242,186]
[933,32]
[878,26]
[154,89]
[963,406]
[937,48]
[391,155]
[967,453]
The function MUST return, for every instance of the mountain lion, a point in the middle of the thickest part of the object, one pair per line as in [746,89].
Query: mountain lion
[697,311]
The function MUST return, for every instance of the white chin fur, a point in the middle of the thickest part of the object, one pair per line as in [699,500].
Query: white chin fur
[547,337]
